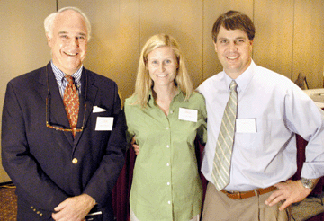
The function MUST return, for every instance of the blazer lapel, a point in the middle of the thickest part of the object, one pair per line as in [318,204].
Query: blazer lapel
[87,99]
[43,91]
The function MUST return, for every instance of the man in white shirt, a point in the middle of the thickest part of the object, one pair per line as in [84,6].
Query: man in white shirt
[270,111]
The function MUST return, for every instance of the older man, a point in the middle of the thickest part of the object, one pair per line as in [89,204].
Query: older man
[253,116]
[63,131]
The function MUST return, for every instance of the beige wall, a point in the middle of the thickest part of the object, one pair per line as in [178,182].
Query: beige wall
[22,43]
[289,37]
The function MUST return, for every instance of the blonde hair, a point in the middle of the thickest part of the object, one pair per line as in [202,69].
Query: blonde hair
[143,81]
[49,21]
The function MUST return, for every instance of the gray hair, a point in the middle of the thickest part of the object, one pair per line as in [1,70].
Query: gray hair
[49,21]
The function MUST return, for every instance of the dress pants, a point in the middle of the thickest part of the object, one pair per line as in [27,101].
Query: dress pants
[217,206]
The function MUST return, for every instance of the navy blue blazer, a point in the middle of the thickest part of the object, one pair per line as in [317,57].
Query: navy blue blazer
[47,165]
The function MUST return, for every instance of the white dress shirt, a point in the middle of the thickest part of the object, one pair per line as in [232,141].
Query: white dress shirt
[280,110]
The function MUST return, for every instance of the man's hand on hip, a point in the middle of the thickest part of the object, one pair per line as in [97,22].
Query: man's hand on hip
[290,192]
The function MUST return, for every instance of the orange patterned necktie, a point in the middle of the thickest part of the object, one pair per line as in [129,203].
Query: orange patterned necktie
[71,102]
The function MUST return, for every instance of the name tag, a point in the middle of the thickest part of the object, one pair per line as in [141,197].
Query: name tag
[104,123]
[245,126]
[188,115]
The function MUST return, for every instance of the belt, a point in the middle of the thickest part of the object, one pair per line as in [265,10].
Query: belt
[247,194]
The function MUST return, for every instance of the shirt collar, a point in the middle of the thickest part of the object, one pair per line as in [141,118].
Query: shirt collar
[59,75]
[179,97]
[242,80]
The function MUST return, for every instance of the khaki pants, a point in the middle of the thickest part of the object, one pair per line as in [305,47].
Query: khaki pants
[217,206]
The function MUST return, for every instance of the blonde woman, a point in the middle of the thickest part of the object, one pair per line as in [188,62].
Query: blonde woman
[164,116]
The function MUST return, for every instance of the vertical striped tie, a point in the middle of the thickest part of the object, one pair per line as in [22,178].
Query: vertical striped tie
[71,102]
[223,152]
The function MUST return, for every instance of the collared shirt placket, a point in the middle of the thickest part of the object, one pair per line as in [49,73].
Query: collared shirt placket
[168,165]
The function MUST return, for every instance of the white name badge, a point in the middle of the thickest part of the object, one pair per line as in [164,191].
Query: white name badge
[245,126]
[104,123]
[187,114]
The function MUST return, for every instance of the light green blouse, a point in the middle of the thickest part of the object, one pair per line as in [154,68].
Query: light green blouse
[166,183]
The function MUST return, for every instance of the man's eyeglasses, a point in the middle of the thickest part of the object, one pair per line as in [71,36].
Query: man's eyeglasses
[57,127]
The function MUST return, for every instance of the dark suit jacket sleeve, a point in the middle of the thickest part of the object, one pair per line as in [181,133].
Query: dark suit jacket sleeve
[101,184]
[32,183]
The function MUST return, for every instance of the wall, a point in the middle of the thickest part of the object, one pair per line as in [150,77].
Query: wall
[288,40]
[23,45]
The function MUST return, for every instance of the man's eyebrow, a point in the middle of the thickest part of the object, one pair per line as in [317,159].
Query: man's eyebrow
[62,32]
[65,32]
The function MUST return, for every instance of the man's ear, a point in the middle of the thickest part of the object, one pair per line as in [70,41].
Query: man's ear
[215,46]
[251,43]
[49,42]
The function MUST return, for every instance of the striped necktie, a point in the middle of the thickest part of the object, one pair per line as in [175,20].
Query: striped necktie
[71,102]
[223,152]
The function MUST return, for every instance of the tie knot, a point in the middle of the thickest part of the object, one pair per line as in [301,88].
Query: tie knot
[69,79]
[233,86]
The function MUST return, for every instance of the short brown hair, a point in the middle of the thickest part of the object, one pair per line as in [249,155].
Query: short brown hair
[233,20]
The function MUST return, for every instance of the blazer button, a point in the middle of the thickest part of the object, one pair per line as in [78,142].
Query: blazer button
[75,161]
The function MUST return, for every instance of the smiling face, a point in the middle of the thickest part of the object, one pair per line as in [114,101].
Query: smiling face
[234,51]
[68,41]
[162,66]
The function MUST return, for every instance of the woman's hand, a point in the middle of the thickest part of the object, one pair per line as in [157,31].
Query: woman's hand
[135,147]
